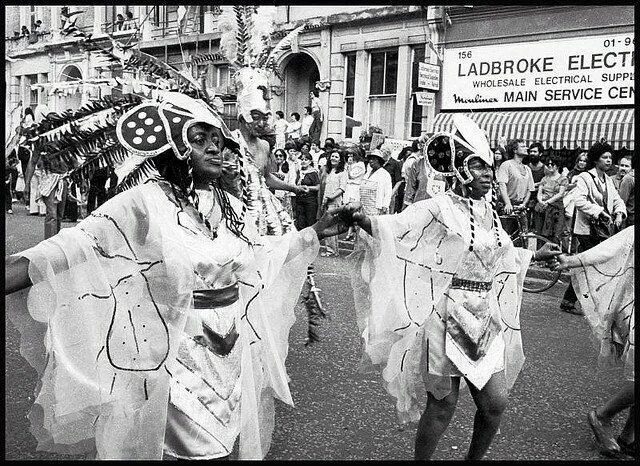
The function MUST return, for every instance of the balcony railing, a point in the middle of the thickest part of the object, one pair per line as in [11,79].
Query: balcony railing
[19,43]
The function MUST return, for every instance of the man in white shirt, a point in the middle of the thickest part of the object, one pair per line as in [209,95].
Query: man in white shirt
[307,121]
[378,180]
[514,177]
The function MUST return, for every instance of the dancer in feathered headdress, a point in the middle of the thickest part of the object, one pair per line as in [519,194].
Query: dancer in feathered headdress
[159,324]
[437,290]
[245,41]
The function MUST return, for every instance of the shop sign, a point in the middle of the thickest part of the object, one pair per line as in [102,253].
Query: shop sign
[586,71]
[424,98]
[396,145]
[429,76]
[376,141]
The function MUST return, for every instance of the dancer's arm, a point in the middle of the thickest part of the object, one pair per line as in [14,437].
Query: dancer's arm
[16,274]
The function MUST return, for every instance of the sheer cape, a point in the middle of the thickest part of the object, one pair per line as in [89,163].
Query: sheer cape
[106,310]
[400,277]
[605,286]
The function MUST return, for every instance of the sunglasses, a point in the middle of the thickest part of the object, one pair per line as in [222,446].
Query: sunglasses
[550,164]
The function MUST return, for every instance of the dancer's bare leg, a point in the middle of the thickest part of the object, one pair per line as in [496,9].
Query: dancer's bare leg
[491,402]
[628,431]
[434,421]
[623,399]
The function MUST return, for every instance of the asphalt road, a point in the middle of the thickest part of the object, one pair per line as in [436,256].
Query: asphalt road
[343,414]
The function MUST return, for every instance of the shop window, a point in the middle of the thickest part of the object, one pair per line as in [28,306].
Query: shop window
[349,90]
[416,110]
[383,82]
[223,76]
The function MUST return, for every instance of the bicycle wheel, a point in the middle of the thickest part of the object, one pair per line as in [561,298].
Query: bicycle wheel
[538,278]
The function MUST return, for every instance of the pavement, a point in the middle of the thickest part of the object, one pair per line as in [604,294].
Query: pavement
[343,414]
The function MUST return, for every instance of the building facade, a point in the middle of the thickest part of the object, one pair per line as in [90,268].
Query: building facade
[555,74]
[367,64]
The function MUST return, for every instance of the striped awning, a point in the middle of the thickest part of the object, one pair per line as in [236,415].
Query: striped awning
[556,129]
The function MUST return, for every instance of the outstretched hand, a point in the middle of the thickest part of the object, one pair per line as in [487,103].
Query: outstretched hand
[338,220]
[547,252]
[561,262]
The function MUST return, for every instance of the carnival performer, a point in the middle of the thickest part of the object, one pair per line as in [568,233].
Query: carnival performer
[603,278]
[437,290]
[163,317]
[244,33]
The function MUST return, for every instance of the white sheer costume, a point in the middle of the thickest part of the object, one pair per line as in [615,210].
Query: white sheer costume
[429,308]
[148,311]
[605,286]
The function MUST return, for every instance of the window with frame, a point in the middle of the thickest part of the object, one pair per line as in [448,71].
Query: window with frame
[349,90]
[383,84]
[34,94]
[223,76]
[417,111]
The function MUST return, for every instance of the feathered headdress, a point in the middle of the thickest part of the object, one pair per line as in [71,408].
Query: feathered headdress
[246,43]
[127,133]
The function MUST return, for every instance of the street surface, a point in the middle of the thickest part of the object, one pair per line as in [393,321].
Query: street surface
[342,414]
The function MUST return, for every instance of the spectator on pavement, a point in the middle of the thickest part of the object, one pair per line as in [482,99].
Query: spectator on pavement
[307,121]
[287,174]
[534,162]
[627,193]
[498,157]
[307,202]
[293,128]
[293,160]
[280,127]
[375,187]
[416,153]
[395,170]
[316,112]
[549,200]
[596,199]
[329,145]
[514,177]
[315,152]
[355,172]
[333,184]
[624,166]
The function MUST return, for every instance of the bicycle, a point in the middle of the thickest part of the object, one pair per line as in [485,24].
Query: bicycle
[538,278]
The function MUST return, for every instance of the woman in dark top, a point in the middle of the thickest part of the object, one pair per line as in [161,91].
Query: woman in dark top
[307,202]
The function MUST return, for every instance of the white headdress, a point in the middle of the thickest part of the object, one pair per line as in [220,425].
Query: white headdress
[246,43]
[449,153]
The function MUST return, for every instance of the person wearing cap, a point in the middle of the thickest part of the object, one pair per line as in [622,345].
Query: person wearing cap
[437,291]
[377,185]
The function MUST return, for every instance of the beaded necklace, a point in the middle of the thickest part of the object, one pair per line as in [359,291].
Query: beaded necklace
[472,220]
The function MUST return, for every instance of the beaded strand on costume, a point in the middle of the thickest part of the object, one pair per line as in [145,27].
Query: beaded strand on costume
[195,200]
[494,209]
[471,223]
[244,191]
